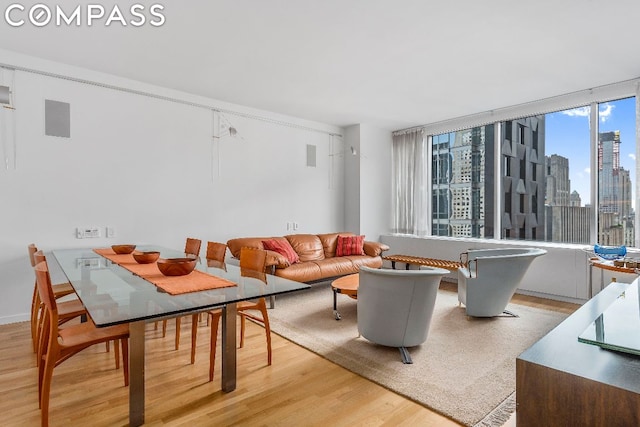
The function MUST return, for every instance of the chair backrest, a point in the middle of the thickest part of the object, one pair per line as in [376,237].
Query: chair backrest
[43,280]
[39,257]
[216,251]
[395,306]
[253,259]
[32,250]
[192,246]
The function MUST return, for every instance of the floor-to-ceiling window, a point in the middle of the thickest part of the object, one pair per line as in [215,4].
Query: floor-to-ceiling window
[462,182]
[616,148]
[546,180]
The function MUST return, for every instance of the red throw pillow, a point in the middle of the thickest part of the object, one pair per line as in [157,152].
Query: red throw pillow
[350,245]
[282,247]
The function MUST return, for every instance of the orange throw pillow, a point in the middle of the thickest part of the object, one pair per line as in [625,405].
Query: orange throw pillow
[282,247]
[350,245]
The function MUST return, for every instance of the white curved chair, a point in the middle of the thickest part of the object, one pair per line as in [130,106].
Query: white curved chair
[491,277]
[395,306]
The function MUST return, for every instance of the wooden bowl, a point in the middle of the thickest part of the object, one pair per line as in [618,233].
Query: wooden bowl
[123,249]
[146,257]
[176,266]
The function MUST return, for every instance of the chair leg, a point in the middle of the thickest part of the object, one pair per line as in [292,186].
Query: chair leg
[194,336]
[242,326]
[178,325]
[41,367]
[404,354]
[267,329]
[45,390]
[116,352]
[215,320]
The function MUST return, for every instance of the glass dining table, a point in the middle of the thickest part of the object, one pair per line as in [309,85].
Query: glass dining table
[138,301]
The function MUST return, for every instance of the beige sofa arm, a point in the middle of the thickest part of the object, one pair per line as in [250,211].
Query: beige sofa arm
[374,248]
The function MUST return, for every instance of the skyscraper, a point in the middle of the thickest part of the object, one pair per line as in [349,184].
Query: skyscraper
[614,193]
[523,171]
[566,220]
[558,182]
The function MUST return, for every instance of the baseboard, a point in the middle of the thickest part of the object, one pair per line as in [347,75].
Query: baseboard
[5,320]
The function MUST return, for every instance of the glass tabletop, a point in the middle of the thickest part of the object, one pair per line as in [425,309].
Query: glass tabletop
[113,295]
[618,327]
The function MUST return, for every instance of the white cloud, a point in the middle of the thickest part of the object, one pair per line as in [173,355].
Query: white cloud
[587,170]
[577,112]
[605,112]
[632,156]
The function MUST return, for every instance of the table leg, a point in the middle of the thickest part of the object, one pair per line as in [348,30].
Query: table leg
[335,304]
[229,313]
[136,373]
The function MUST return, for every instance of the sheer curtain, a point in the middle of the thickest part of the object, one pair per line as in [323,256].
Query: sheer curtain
[410,170]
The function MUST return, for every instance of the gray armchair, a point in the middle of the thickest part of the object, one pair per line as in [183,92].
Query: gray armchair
[491,278]
[395,306]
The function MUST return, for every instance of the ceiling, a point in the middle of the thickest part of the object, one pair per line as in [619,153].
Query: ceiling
[392,64]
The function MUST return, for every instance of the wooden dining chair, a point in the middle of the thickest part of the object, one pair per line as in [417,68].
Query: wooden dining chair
[59,290]
[191,247]
[62,344]
[67,310]
[216,253]
[252,264]
[215,256]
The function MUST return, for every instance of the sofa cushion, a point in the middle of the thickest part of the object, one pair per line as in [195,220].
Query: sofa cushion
[350,245]
[300,272]
[283,247]
[330,241]
[336,266]
[307,246]
[364,260]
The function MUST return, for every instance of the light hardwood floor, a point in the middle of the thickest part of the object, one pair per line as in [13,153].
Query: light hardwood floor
[299,389]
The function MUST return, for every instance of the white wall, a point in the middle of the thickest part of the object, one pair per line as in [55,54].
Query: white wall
[562,274]
[375,181]
[145,167]
[352,179]
[367,180]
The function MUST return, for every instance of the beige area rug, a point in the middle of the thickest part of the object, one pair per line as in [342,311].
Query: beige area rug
[465,370]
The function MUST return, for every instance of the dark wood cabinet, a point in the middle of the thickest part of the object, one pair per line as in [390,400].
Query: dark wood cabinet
[563,382]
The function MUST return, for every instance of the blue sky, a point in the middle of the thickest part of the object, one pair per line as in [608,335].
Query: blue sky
[567,134]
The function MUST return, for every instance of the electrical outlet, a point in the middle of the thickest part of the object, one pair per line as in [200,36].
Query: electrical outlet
[111,232]
[87,232]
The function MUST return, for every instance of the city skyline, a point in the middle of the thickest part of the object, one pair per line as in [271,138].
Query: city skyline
[567,134]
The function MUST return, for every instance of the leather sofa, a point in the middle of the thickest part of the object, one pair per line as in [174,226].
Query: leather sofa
[316,253]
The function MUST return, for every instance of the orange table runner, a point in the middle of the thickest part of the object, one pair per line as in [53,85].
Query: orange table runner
[174,285]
